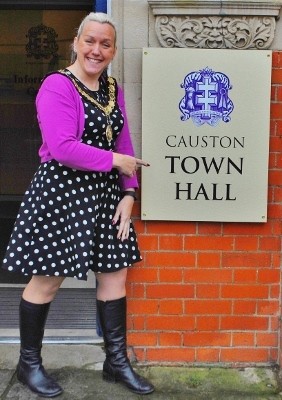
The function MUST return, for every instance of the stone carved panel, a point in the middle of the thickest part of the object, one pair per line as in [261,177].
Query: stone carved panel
[216,32]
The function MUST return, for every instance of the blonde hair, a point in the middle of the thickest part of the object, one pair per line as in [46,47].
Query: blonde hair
[102,18]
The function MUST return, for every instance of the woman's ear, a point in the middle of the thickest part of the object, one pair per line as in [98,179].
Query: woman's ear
[74,44]
[115,52]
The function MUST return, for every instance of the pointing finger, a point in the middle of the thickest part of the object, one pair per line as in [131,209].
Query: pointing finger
[141,163]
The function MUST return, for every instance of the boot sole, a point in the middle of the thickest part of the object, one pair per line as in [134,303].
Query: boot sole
[112,379]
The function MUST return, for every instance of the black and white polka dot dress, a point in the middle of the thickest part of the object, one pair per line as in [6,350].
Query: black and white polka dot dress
[64,226]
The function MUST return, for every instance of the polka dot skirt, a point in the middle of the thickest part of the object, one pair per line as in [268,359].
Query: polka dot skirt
[64,226]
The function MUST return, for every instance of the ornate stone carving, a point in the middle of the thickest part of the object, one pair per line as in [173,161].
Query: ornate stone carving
[216,24]
[214,32]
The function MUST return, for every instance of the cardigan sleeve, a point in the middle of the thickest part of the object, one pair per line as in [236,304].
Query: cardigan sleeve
[58,116]
[124,144]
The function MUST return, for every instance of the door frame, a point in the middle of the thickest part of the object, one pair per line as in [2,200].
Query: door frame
[87,5]
[48,5]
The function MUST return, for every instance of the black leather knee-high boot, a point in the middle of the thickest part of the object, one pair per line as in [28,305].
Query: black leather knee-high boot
[30,370]
[117,367]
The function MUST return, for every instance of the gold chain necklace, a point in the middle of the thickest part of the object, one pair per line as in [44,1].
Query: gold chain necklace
[107,109]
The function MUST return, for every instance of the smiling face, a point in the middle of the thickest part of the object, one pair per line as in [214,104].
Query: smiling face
[95,49]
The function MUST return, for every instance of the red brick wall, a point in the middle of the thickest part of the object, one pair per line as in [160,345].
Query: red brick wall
[210,292]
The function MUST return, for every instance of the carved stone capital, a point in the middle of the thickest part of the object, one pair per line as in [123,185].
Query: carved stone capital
[215,32]
[213,24]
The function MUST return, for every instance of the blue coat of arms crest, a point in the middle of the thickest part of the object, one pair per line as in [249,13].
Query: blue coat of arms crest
[206,99]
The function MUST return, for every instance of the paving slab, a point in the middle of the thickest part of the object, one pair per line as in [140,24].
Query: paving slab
[172,383]
[5,379]
[78,370]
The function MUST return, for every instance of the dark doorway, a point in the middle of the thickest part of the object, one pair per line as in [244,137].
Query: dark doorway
[39,44]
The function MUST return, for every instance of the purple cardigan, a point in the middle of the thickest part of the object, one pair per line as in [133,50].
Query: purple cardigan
[61,117]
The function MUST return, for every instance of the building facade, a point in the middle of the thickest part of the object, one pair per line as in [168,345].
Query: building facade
[205,292]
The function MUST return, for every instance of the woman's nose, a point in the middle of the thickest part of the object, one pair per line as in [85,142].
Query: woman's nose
[96,49]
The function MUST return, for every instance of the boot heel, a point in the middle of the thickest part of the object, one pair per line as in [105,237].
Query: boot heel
[109,378]
[19,375]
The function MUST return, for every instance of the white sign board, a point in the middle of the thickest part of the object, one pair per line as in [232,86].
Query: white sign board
[205,133]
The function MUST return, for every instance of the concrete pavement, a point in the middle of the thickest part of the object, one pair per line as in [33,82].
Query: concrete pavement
[78,370]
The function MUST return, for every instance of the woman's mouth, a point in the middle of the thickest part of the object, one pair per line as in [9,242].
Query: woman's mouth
[94,60]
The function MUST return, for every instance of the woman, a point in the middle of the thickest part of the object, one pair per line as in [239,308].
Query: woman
[75,216]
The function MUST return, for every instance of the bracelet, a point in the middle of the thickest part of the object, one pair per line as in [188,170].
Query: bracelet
[129,193]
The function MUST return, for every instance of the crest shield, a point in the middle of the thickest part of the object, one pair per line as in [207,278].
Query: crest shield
[206,99]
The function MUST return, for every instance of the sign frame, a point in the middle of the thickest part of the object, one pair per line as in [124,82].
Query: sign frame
[205,172]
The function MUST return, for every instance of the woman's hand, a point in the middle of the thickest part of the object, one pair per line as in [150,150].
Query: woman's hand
[127,165]
[123,214]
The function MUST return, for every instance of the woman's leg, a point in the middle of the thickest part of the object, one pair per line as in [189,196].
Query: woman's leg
[111,286]
[111,303]
[34,308]
[42,289]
